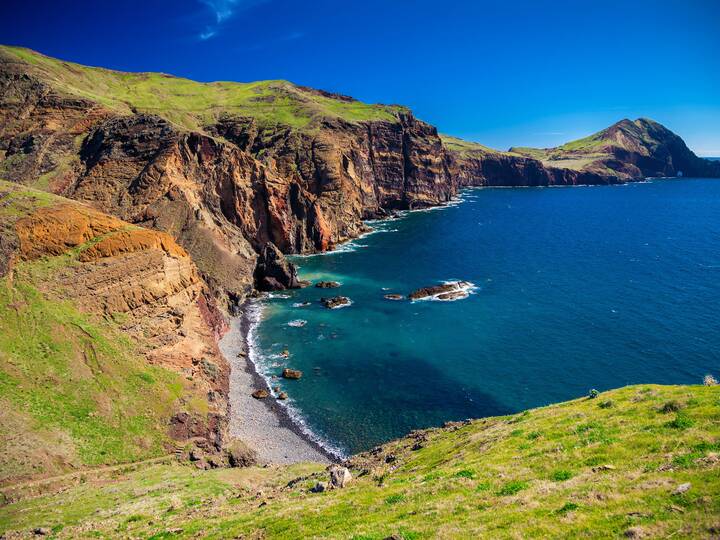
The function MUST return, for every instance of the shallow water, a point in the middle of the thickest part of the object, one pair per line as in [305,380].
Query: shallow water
[577,288]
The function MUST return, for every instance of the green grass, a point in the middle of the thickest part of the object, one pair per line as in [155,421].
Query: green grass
[592,473]
[193,105]
[469,148]
[74,390]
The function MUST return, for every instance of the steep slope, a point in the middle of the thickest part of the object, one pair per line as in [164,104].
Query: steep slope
[107,341]
[628,149]
[639,462]
[223,167]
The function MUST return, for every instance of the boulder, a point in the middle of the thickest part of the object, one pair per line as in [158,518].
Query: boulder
[260,394]
[240,454]
[335,302]
[327,284]
[282,395]
[339,476]
[291,373]
[273,271]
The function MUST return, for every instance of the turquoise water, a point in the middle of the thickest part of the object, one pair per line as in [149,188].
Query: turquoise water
[577,288]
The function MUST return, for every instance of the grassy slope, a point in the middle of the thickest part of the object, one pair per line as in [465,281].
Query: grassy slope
[192,104]
[469,148]
[578,154]
[590,467]
[73,391]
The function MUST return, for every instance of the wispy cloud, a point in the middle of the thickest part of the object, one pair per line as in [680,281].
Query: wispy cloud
[224,10]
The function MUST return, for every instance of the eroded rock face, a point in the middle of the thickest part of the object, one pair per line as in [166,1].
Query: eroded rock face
[144,279]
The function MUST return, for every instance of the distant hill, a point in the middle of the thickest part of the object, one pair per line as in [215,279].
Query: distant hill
[627,149]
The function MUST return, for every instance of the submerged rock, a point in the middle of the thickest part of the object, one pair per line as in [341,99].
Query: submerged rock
[393,297]
[445,291]
[327,284]
[291,373]
[273,271]
[335,302]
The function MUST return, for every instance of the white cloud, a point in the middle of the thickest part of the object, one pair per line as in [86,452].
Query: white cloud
[224,10]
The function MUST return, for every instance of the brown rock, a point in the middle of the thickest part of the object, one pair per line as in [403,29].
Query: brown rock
[327,284]
[291,373]
[273,271]
[260,394]
[394,297]
[335,302]
[453,289]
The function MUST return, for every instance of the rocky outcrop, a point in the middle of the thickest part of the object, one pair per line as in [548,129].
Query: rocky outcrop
[273,271]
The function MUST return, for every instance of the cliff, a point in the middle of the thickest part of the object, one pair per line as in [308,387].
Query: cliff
[108,341]
[222,167]
[226,168]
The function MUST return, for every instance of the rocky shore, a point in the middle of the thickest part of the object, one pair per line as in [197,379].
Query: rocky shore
[263,424]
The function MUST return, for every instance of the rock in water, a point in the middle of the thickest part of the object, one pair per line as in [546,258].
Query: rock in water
[291,373]
[394,297]
[273,272]
[339,476]
[335,302]
[327,284]
[445,291]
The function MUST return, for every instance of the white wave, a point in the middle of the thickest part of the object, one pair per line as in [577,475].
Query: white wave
[254,313]
[297,323]
[465,287]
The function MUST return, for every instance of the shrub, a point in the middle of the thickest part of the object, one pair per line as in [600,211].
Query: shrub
[394,499]
[605,404]
[561,475]
[670,406]
[593,394]
[681,421]
[511,488]
[567,507]
[464,474]
[483,486]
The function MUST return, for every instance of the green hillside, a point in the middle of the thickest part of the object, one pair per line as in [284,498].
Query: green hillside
[637,462]
[192,104]
[469,148]
[74,391]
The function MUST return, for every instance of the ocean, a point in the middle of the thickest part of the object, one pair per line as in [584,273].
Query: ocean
[574,288]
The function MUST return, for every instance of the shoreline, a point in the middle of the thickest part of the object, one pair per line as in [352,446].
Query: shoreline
[263,424]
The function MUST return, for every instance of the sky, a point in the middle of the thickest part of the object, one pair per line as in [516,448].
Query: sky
[520,73]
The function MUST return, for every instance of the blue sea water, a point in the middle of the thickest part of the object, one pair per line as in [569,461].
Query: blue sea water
[577,288]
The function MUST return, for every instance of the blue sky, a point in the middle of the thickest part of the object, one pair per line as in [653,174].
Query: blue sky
[502,73]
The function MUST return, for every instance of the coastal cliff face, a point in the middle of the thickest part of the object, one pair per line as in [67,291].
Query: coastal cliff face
[91,278]
[228,168]
[226,189]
